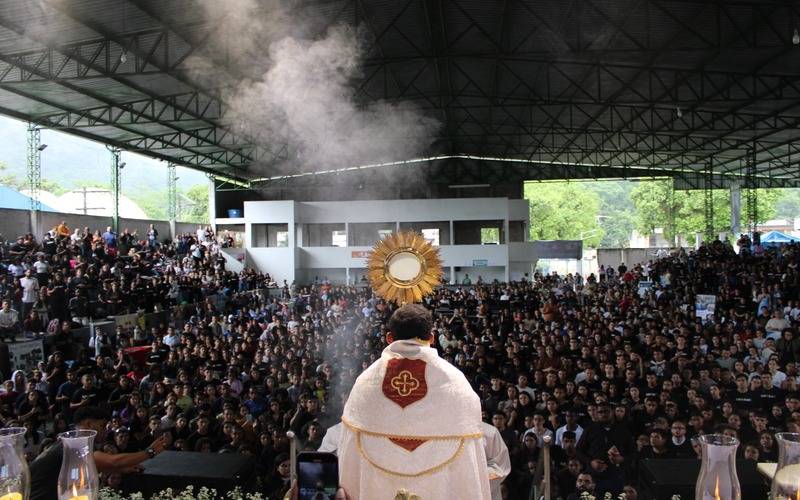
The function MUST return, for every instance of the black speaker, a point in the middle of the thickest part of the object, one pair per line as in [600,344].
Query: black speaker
[661,478]
[177,470]
[756,238]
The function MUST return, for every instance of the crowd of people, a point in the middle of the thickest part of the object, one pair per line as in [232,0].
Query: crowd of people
[612,371]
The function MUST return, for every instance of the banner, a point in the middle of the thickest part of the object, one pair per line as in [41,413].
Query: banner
[25,356]
[127,321]
[705,305]
[644,287]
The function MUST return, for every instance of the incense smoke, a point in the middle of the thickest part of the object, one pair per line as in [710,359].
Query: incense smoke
[297,88]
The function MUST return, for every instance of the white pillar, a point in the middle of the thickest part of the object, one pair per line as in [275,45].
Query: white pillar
[212,205]
[452,234]
[452,275]
[736,210]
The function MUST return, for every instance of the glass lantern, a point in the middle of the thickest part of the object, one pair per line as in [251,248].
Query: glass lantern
[15,478]
[786,482]
[78,477]
[718,479]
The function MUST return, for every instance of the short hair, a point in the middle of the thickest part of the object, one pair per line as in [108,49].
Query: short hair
[411,321]
[90,413]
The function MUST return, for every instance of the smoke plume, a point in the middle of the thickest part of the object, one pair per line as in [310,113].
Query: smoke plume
[293,83]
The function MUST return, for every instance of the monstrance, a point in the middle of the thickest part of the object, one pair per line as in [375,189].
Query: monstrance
[404,267]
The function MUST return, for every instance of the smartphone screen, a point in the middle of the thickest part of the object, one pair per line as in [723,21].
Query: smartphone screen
[317,476]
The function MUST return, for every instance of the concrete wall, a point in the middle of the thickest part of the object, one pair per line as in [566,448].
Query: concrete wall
[394,210]
[630,256]
[278,262]
[487,273]
[16,222]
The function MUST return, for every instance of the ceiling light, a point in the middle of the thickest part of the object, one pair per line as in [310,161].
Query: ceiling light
[796,37]
[468,186]
[124,56]
[680,112]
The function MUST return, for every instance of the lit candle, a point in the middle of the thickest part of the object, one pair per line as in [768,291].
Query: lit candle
[11,496]
[716,490]
[75,495]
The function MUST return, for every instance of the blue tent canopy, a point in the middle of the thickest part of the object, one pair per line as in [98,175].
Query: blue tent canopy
[775,238]
[11,198]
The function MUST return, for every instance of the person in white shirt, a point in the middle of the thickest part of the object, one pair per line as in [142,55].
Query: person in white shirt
[9,322]
[30,292]
[522,386]
[172,339]
[776,323]
[570,425]
[538,430]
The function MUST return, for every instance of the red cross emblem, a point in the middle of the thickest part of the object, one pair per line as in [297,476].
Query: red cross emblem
[404,381]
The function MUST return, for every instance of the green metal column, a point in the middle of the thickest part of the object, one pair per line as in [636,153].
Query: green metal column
[752,193]
[172,193]
[116,166]
[34,157]
[708,203]
[172,199]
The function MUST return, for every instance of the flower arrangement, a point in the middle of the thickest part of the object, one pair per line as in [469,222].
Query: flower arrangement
[622,496]
[187,493]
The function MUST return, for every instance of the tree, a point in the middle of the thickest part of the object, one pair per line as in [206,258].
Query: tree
[682,213]
[788,205]
[198,211]
[20,184]
[616,212]
[563,211]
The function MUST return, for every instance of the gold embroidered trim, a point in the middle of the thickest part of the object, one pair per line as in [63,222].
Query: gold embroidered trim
[453,437]
[425,472]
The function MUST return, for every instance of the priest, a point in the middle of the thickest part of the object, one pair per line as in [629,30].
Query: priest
[411,428]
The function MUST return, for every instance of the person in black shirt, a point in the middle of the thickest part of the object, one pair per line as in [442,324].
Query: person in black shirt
[610,449]
[742,398]
[87,395]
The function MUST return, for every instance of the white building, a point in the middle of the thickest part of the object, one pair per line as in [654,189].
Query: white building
[486,237]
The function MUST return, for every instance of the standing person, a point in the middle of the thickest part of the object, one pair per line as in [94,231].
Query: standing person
[30,292]
[152,237]
[395,406]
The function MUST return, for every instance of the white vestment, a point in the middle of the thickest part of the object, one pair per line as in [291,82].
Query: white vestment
[330,441]
[496,458]
[426,439]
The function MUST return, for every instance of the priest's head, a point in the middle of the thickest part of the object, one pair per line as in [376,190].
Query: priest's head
[410,322]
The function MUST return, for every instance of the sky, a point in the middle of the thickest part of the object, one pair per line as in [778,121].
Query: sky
[71,160]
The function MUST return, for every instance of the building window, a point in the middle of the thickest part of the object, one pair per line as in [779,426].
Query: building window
[282,238]
[431,236]
[339,238]
[384,233]
[490,236]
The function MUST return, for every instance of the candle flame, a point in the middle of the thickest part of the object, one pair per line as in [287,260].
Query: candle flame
[716,490]
[74,490]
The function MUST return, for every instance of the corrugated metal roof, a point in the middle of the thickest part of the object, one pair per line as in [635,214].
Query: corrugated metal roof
[568,81]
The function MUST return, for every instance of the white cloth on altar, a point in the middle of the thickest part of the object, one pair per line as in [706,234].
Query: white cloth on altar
[450,411]
[497,459]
